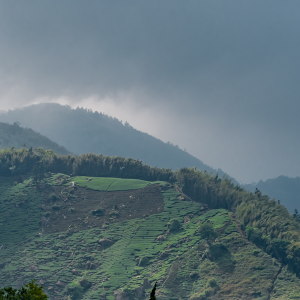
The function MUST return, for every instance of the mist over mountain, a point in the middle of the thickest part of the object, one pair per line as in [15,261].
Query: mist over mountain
[282,188]
[83,131]
[18,137]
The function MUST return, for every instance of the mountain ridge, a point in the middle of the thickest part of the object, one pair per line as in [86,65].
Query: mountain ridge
[18,137]
[83,131]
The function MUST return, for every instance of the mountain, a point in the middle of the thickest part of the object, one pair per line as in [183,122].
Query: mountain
[196,235]
[18,137]
[283,188]
[83,131]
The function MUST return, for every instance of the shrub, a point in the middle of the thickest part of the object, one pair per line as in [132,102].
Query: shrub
[207,232]
[75,290]
[194,275]
[98,212]
[114,214]
[56,207]
[143,261]
[53,197]
[216,251]
[174,225]
[213,283]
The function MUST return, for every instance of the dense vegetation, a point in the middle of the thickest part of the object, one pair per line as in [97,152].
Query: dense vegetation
[267,223]
[18,137]
[283,188]
[233,215]
[100,134]
[18,162]
[30,291]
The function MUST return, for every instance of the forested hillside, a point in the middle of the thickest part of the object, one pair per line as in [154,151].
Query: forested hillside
[82,131]
[125,225]
[286,190]
[18,137]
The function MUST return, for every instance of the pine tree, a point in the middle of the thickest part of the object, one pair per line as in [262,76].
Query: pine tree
[152,295]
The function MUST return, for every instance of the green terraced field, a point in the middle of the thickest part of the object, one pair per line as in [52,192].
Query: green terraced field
[183,265]
[111,184]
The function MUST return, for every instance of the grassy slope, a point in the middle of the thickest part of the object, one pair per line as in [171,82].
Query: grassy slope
[111,184]
[182,264]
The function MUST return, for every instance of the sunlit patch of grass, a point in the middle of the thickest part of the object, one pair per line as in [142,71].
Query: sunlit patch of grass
[111,184]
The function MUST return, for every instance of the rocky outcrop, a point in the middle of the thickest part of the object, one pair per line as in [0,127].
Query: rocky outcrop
[139,292]
[105,242]
[122,296]
[146,284]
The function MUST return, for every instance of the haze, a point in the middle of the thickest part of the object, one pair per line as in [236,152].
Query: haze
[218,78]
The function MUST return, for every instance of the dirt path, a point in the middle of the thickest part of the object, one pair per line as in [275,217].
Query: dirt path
[233,218]
[274,280]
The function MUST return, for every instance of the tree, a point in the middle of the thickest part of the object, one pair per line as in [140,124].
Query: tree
[30,291]
[152,295]
[296,214]
[174,225]
[207,232]
[38,172]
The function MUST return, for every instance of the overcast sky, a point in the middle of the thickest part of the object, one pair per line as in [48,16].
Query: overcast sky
[219,78]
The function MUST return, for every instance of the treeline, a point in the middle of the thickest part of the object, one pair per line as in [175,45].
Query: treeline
[267,223]
[15,162]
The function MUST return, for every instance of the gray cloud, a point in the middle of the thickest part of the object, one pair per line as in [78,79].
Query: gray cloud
[226,72]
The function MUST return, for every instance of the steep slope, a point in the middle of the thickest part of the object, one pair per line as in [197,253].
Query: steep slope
[83,131]
[283,188]
[18,137]
[110,238]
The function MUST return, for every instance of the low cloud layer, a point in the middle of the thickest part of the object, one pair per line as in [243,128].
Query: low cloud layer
[219,78]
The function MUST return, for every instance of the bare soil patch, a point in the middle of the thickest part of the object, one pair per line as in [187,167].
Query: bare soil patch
[83,208]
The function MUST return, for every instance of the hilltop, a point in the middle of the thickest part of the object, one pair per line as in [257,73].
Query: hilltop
[18,137]
[83,131]
[114,235]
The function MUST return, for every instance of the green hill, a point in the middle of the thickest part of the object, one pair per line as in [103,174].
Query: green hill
[112,238]
[18,137]
[83,131]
